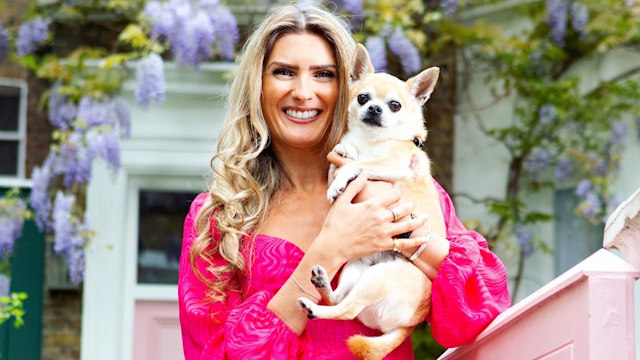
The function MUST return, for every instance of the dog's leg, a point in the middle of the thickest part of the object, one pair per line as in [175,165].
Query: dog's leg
[320,280]
[347,173]
[346,151]
[368,290]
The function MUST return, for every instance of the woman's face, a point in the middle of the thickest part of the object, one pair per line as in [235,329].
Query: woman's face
[299,91]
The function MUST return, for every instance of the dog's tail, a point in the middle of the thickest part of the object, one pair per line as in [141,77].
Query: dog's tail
[375,348]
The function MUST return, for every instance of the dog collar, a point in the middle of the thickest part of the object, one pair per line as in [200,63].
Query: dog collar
[417,142]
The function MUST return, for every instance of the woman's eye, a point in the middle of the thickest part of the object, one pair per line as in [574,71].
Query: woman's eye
[282,72]
[363,98]
[325,74]
[394,106]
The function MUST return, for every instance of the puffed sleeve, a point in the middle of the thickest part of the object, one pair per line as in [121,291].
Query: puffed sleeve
[234,329]
[470,289]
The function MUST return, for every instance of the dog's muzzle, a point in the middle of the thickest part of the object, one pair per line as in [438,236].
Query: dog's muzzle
[373,116]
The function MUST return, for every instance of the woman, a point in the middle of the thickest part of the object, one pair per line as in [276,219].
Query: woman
[250,242]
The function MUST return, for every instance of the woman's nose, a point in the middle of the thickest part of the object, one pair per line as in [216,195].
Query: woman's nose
[302,89]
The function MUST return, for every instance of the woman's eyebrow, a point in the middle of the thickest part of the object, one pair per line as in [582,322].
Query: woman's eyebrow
[296,67]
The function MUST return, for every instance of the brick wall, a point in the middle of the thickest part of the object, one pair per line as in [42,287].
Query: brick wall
[62,325]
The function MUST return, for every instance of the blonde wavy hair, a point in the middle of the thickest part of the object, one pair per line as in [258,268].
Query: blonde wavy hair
[246,171]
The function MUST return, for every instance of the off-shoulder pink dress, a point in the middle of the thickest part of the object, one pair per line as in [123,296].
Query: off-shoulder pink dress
[469,291]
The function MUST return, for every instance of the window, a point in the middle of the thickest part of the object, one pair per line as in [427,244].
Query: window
[575,237]
[13,100]
[160,218]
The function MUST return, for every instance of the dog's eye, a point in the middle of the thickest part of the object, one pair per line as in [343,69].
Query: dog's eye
[363,98]
[394,106]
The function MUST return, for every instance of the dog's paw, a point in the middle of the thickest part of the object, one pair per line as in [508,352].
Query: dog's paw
[339,184]
[306,305]
[346,151]
[319,277]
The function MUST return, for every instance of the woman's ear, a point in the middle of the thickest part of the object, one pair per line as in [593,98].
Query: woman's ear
[361,65]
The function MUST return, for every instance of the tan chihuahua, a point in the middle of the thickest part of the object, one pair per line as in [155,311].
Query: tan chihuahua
[385,134]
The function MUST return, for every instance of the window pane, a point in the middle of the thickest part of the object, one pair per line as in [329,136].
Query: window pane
[161,216]
[8,157]
[575,237]
[9,108]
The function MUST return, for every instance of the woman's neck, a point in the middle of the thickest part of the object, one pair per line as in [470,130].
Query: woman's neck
[306,169]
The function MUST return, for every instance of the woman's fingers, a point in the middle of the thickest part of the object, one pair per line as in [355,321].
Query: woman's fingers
[336,159]
[397,212]
[407,225]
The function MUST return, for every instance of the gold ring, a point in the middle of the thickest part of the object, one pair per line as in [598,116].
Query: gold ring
[395,245]
[395,215]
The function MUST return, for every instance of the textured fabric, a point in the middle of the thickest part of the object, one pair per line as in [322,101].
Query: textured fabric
[469,291]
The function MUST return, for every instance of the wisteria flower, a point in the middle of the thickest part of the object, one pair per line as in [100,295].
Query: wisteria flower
[105,144]
[62,110]
[4,44]
[449,7]
[354,7]
[547,114]
[42,176]
[538,160]
[564,169]
[150,83]
[11,223]
[524,237]
[5,285]
[583,188]
[123,116]
[63,226]
[557,11]
[226,30]
[377,52]
[406,51]
[32,34]
[619,131]
[579,18]
[591,205]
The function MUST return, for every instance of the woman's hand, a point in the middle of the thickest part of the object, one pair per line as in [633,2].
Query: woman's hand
[356,229]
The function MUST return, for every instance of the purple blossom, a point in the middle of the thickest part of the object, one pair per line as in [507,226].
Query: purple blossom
[32,34]
[62,222]
[538,160]
[557,19]
[42,177]
[5,285]
[449,7]
[524,236]
[354,7]
[106,144]
[619,133]
[377,52]
[592,204]
[226,29]
[547,114]
[62,111]
[74,160]
[193,29]
[579,18]
[11,222]
[199,37]
[564,169]
[123,115]
[4,44]
[405,50]
[583,187]
[150,80]
[95,112]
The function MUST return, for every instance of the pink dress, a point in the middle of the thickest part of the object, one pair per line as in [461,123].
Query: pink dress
[469,291]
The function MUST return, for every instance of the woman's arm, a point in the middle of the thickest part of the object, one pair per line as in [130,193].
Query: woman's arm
[470,288]
[236,328]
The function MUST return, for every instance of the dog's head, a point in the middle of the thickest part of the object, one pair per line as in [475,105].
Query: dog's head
[382,101]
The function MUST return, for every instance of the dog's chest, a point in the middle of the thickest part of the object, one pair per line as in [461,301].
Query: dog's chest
[367,148]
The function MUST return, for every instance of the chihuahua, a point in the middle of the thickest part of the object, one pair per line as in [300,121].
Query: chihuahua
[386,132]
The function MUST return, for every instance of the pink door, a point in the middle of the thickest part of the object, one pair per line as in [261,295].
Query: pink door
[156,324]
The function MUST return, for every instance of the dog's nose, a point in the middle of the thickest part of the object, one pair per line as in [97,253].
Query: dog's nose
[375,109]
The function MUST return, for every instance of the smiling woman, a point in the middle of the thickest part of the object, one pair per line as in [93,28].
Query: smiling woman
[300,90]
[249,244]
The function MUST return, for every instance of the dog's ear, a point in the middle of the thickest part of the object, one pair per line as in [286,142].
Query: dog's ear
[421,86]
[361,63]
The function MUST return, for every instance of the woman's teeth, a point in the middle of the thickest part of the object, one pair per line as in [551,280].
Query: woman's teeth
[303,115]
